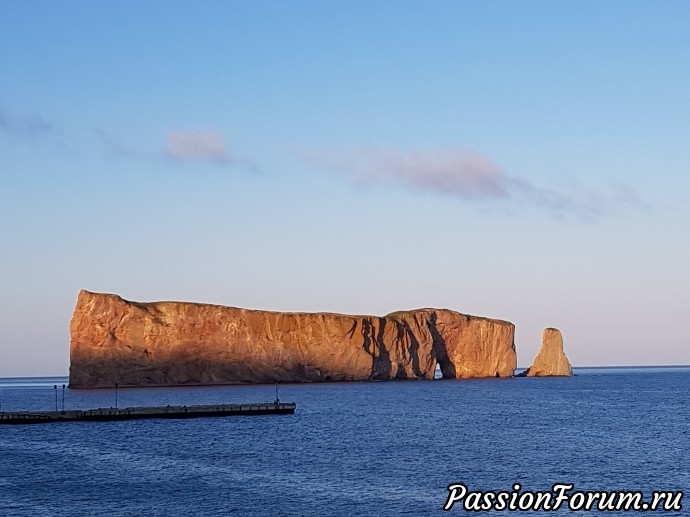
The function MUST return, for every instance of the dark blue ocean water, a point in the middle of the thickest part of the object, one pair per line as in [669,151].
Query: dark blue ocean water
[351,448]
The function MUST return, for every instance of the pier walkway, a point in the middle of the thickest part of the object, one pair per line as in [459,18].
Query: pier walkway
[134,413]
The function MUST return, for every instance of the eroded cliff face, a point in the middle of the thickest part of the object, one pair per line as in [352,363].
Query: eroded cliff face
[551,360]
[173,343]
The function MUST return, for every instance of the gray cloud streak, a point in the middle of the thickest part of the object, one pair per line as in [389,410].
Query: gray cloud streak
[23,126]
[471,176]
[115,148]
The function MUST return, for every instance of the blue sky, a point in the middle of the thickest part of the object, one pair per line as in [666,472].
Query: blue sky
[528,161]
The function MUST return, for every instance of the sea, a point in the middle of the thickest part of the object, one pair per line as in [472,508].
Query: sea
[351,449]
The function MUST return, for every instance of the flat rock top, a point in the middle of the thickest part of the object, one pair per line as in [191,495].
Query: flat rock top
[85,296]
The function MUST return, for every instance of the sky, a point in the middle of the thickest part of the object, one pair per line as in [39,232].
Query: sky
[526,161]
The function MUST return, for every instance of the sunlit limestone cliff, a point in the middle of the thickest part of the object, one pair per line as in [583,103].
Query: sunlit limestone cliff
[174,343]
[551,360]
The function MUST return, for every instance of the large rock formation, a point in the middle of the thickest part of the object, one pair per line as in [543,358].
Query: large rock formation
[167,343]
[551,360]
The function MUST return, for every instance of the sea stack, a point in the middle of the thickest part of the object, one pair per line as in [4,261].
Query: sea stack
[551,360]
[176,343]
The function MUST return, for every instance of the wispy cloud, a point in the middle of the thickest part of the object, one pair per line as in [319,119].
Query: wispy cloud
[465,173]
[186,148]
[23,125]
[205,146]
[469,175]
[116,148]
[584,203]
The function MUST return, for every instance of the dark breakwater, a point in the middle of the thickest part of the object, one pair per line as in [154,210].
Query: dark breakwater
[139,413]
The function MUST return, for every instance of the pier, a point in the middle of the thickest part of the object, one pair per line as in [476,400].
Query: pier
[137,413]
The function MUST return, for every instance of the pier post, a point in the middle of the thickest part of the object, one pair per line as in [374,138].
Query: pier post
[55,388]
[277,400]
[63,397]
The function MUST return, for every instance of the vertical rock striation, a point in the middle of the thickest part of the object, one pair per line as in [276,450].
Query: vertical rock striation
[173,343]
[551,360]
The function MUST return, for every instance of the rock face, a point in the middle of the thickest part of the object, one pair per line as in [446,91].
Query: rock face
[551,360]
[172,343]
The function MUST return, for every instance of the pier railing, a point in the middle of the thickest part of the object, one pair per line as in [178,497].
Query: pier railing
[133,413]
